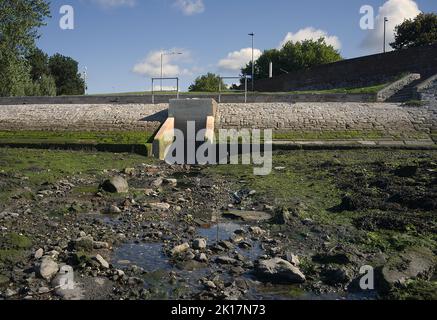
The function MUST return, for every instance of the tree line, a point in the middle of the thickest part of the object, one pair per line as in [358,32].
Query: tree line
[25,70]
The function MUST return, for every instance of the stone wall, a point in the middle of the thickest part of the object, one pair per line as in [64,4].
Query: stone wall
[428,90]
[282,117]
[358,72]
[384,117]
[83,117]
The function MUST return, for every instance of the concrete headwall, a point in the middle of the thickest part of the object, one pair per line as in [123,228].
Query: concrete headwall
[358,72]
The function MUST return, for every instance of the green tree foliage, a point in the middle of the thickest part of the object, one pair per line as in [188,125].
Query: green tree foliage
[14,75]
[420,31]
[207,83]
[39,63]
[65,72]
[19,21]
[46,86]
[293,56]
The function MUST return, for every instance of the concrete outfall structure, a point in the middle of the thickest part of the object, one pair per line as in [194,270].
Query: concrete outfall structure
[181,111]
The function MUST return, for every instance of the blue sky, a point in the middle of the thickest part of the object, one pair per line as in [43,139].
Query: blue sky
[120,41]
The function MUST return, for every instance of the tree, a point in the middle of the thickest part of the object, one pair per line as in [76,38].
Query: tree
[293,56]
[207,83]
[39,63]
[418,32]
[65,72]
[47,86]
[19,21]
[14,75]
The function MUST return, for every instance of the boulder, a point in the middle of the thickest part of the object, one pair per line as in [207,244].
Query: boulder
[115,184]
[102,262]
[278,270]
[411,264]
[48,268]
[180,249]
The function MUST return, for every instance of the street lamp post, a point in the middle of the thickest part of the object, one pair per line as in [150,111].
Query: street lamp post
[253,63]
[166,54]
[385,28]
[85,74]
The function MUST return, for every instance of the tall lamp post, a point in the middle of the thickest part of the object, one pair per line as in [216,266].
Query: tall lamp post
[162,56]
[385,28]
[253,65]
[85,74]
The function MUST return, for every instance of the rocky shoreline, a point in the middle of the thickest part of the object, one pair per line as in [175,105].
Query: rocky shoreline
[177,232]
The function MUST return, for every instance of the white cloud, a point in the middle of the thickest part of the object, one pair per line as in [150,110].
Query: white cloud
[238,59]
[151,65]
[396,11]
[190,7]
[311,33]
[115,3]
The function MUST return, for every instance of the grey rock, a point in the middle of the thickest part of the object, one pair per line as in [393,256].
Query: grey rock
[39,253]
[225,260]
[411,264]
[278,270]
[48,268]
[116,184]
[102,262]
[180,249]
[199,243]
[202,258]
[293,259]
[160,206]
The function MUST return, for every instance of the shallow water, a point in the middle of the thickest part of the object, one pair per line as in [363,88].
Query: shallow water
[151,258]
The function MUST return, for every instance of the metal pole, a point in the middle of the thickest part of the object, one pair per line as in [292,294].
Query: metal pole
[162,54]
[253,62]
[245,89]
[85,78]
[153,93]
[385,28]
[177,88]
[220,90]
